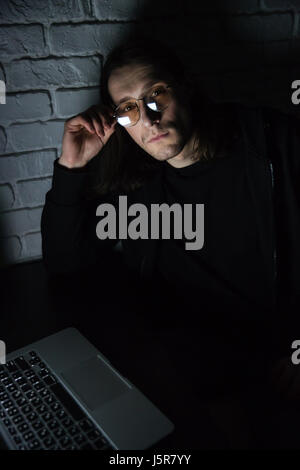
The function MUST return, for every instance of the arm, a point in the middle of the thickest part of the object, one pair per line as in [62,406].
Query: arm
[69,241]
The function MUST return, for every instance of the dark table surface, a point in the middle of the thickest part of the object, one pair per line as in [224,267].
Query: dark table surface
[111,311]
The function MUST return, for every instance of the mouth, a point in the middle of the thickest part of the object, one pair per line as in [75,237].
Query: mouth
[158,137]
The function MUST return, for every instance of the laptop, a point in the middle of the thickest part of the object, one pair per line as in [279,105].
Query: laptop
[62,393]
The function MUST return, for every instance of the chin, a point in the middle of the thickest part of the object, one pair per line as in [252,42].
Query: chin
[166,153]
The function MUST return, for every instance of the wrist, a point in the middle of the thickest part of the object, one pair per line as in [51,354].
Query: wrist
[70,163]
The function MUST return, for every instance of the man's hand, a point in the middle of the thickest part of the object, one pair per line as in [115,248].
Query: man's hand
[85,135]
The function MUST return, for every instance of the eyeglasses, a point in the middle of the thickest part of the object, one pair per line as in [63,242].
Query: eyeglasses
[157,99]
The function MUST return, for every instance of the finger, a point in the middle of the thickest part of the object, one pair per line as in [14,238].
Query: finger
[81,121]
[111,121]
[105,115]
[110,126]
[101,117]
[97,125]
[107,124]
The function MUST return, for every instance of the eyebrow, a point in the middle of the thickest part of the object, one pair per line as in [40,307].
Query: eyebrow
[147,85]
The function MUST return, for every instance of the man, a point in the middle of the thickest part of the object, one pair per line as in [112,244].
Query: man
[156,140]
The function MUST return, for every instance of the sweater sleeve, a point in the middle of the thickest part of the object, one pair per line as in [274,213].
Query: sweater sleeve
[68,224]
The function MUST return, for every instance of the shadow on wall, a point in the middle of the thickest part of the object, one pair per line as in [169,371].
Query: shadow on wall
[235,50]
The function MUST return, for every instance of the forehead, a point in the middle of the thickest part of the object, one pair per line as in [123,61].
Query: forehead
[131,80]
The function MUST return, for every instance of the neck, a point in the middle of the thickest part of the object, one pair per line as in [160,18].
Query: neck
[187,156]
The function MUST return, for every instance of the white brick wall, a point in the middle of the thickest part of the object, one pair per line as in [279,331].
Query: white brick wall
[51,54]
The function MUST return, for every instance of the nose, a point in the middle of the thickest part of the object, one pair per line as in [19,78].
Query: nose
[147,116]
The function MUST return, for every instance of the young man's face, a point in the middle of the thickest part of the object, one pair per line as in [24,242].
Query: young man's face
[172,124]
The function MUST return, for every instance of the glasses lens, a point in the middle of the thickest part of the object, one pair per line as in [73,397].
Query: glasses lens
[159,98]
[128,113]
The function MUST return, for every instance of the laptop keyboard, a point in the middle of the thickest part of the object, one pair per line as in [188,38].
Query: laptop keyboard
[39,413]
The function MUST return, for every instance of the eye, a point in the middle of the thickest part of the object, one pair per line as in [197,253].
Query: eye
[127,108]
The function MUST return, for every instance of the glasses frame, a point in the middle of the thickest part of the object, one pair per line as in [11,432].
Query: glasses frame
[137,105]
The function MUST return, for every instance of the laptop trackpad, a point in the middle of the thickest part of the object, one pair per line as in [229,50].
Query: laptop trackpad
[94,382]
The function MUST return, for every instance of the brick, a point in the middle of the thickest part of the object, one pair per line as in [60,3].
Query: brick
[208,31]
[260,28]
[295,72]
[280,4]
[38,135]
[72,102]
[226,57]
[117,10]
[10,250]
[278,79]
[28,165]
[168,34]
[278,53]
[2,75]
[22,40]
[158,9]
[3,138]
[25,106]
[20,221]
[20,11]
[295,50]
[81,38]
[2,94]
[6,197]
[36,74]
[33,244]
[134,9]
[253,86]
[217,7]
[32,192]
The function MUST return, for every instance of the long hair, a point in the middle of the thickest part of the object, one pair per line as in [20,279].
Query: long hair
[123,165]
